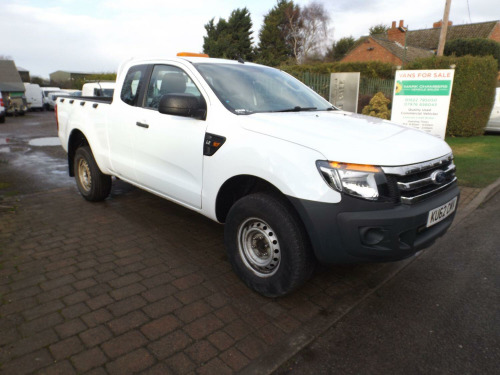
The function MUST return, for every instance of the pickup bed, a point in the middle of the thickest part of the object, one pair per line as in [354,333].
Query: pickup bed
[294,179]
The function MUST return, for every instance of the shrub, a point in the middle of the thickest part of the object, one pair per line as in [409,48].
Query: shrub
[369,69]
[472,94]
[363,101]
[474,47]
[378,107]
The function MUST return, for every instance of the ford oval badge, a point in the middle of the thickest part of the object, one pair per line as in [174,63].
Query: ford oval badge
[438,177]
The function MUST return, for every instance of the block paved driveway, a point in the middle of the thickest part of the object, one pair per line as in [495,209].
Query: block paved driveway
[139,284]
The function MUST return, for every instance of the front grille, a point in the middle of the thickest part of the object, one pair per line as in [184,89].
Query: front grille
[416,182]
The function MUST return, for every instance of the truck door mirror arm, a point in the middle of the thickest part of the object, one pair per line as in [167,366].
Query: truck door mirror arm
[185,105]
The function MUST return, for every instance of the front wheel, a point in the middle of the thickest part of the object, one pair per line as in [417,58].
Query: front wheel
[94,185]
[267,245]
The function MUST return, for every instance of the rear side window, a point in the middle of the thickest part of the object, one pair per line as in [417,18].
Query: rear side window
[132,84]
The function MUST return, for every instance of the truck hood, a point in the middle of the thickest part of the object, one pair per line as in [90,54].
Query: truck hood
[349,137]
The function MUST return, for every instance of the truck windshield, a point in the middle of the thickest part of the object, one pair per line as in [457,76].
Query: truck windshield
[245,89]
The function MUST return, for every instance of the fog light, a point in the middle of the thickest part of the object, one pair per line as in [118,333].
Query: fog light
[371,236]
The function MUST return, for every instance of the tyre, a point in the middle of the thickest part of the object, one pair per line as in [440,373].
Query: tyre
[267,245]
[94,185]
[2,119]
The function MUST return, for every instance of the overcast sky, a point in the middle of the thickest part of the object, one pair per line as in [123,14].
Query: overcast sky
[44,36]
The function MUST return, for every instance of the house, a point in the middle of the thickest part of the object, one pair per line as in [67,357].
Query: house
[390,46]
[10,80]
[25,74]
[373,48]
[429,38]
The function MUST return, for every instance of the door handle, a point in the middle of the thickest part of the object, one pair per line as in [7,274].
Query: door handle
[142,125]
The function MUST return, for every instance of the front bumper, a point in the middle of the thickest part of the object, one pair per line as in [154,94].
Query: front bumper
[338,232]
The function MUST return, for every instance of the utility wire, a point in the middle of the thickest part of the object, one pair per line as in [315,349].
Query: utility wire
[468,8]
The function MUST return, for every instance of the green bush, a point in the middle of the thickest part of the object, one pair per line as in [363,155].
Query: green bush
[472,94]
[369,69]
[474,47]
[378,107]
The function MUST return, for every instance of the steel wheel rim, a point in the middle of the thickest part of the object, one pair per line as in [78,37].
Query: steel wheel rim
[84,175]
[259,247]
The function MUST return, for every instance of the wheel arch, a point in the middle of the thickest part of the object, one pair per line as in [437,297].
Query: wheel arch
[239,186]
[76,139]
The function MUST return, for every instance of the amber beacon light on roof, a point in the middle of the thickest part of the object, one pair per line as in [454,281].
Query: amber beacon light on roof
[192,54]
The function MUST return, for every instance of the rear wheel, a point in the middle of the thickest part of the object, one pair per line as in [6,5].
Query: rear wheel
[267,245]
[93,184]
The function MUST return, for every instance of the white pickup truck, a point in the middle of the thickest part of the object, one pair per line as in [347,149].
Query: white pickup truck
[294,179]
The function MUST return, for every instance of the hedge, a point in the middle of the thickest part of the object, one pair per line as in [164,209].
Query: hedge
[474,47]
[473,91]
[369,69]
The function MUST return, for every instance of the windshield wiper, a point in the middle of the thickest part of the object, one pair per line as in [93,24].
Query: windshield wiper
[297,109]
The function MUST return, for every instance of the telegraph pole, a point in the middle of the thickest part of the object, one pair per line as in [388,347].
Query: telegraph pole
[444,28]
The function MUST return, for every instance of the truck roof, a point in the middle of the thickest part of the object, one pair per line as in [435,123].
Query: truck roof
[206,60]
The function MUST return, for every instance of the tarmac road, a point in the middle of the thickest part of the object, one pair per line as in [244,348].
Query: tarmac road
[440,315]
[31,154]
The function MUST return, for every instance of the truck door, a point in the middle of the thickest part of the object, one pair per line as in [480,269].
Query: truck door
[168,150]
[122,123]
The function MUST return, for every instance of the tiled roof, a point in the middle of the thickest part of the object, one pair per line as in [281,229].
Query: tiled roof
[429,38]
[398,50]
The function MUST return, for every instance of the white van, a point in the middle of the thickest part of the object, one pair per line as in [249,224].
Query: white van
[34,96]
[98,89]
[493,124]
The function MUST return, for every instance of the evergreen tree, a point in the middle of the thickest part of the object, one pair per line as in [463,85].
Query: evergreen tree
[474,47]
[278,34]
[230,39]
[378,29]
[340,48]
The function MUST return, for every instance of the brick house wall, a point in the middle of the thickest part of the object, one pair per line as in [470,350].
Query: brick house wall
[495,34]
[397,34]
[370,50]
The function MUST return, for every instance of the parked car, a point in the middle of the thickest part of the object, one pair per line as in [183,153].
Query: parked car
[46,91]
[2,109]
[52,97]
[493,124]
[105,89]
[34,96]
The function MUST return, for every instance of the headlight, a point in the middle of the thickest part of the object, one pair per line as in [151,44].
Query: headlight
[358,180]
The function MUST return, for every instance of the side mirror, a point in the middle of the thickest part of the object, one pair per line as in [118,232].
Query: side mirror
[185,105]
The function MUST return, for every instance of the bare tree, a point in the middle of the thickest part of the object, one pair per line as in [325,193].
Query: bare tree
[306,29]
[294,29]
[315,20]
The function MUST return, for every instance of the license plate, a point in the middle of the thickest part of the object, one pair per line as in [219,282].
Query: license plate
[441,212]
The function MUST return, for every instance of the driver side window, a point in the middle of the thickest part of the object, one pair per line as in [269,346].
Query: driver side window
[165,80]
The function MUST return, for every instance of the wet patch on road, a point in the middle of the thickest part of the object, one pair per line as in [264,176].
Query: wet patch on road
[47,141]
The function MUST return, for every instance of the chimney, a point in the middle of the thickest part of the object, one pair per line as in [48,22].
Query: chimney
[438,24]
[397,34]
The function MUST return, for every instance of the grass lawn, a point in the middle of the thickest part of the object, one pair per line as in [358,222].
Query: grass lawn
[477,159]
